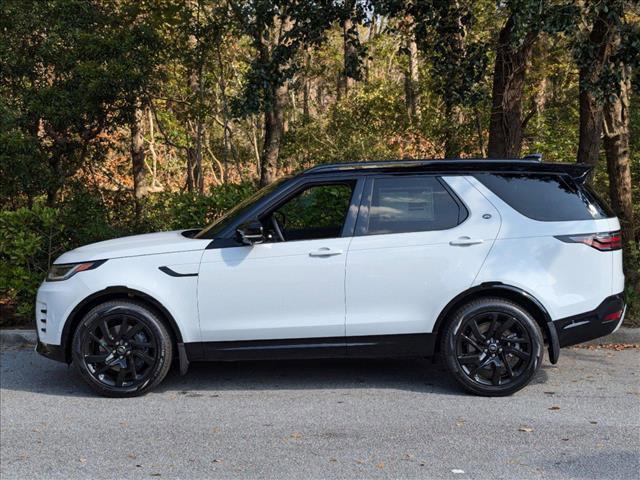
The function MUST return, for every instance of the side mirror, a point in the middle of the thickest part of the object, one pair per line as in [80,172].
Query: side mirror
[250,233]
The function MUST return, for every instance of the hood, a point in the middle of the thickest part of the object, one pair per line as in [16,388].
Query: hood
[147,244]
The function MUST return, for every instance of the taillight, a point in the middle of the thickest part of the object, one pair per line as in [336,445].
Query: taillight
[613,316]
[604,242]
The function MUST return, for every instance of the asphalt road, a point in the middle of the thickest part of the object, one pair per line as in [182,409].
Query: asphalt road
[324,419]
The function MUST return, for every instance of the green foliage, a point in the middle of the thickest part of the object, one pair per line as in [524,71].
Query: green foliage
[32,238]
[29,240]
[361,126]
[309,209]
[67,81]
[72,71]
[278,30]
[172,211]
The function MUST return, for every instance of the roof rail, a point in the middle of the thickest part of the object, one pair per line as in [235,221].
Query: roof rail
[533,156]
[416,163]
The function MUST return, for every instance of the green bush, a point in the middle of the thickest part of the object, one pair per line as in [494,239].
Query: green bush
[32,238]
[173,211]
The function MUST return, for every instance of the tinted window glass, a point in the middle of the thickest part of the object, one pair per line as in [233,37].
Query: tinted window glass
[317,212]
[411,204]
[213,229]
[544,197]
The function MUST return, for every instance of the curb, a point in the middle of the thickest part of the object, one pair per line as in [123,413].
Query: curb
[14,338]
[623,335]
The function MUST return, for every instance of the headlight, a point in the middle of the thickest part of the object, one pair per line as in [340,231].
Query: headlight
[68,270]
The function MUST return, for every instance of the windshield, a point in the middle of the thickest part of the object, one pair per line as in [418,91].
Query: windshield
[214,228]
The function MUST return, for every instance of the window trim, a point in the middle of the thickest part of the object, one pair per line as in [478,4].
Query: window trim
[367,196]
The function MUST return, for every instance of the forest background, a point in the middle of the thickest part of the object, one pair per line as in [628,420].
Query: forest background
[127,116]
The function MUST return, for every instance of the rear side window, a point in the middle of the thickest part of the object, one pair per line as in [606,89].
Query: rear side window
[411,204]
[545,197]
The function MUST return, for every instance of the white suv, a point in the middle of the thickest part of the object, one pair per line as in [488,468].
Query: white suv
[481,262]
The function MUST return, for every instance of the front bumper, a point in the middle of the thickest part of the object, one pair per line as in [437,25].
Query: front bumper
[599,322]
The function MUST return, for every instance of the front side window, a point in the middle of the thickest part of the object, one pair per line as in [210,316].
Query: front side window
[411,204]
[213,229]
[318,211]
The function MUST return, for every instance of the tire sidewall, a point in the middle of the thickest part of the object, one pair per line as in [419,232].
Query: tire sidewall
[141,313]
[491,305]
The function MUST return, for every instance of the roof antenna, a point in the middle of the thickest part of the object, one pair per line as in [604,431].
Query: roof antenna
[533,156]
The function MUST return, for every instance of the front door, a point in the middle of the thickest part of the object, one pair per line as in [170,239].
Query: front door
[289,289]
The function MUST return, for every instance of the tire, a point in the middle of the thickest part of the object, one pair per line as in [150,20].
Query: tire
[492,347]
[122,348]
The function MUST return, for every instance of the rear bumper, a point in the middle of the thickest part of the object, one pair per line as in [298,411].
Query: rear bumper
[599,322]
[54,352]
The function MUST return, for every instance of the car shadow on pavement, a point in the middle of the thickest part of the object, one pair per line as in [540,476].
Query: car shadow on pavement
[29,372]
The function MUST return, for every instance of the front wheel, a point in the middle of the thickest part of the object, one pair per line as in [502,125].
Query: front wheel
[493,347]
[122,349]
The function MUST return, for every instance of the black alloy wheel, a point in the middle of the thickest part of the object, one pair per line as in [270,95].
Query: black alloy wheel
[493,347]
[122,349]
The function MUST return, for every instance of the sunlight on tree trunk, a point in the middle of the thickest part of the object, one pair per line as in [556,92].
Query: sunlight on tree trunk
[273,129]
[505,127]
[616,146]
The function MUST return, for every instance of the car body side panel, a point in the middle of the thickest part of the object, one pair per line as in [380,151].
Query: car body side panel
[176,293]
[568,278]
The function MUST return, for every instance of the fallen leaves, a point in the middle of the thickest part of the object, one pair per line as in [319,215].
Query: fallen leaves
[608,346]
[524,428]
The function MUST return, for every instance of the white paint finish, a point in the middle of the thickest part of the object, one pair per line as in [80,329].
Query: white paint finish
[567,278]
[176,294]
[399,283]
[272,291]
[135,245]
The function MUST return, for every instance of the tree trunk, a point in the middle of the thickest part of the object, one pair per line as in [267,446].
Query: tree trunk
[505,126]
[140,180]
[591,116]
[306,88]
[350,69]
[195,177]
[454,119]
[616,146]
[273,129]
[411,80]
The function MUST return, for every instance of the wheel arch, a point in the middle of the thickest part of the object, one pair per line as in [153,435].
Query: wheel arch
[508,292]
[113,293]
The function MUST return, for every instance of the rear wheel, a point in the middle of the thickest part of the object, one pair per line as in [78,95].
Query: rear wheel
[493,347]
[122,349]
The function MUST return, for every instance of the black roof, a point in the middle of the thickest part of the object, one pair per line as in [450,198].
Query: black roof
[578,171]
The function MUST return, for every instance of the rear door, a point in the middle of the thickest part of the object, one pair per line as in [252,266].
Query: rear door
[420,240]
